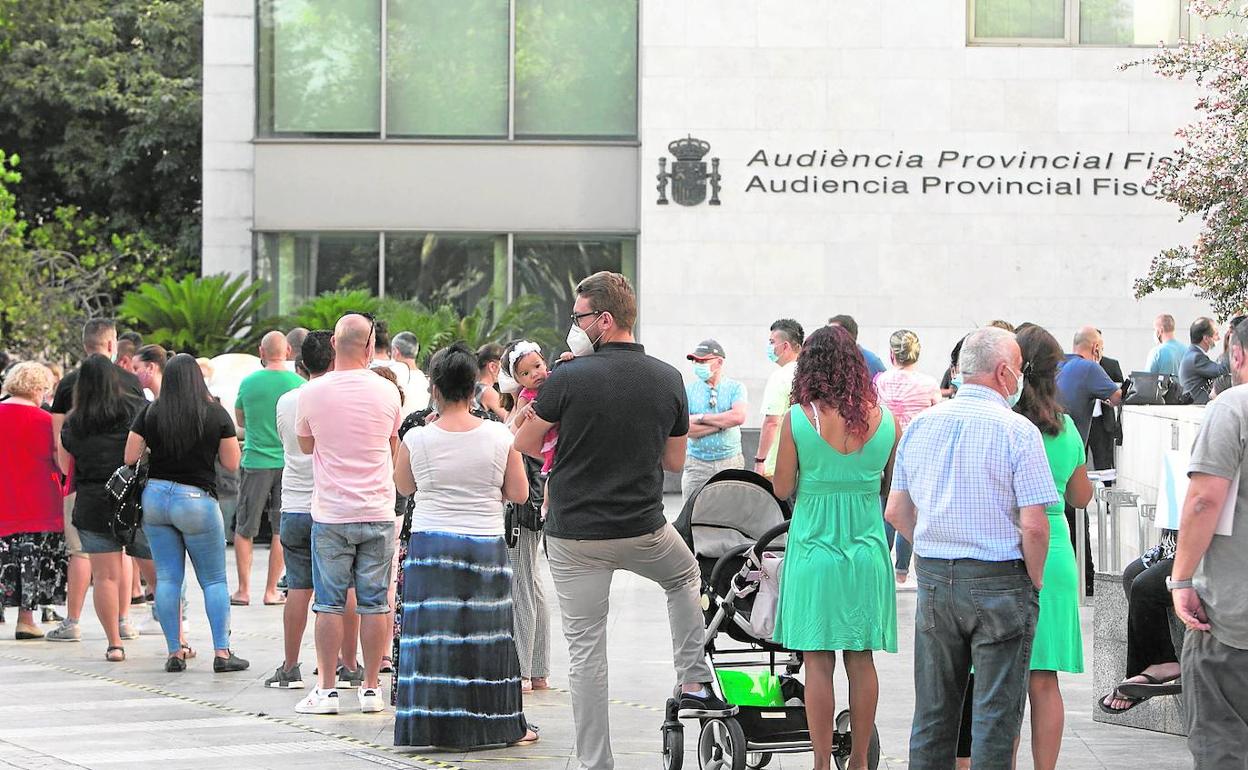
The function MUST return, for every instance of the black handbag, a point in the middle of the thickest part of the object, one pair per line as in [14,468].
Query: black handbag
[125,491]
[526,515]
[1148,389]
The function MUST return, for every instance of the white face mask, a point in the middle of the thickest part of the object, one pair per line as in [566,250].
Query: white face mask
[507,384]
[579,342]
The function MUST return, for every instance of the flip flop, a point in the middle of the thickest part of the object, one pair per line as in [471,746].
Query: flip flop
[1117,694]
[276,603]
[537,736]
[239,602]
[1153,688]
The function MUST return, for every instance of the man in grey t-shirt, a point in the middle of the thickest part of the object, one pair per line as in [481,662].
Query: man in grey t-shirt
[1210,570]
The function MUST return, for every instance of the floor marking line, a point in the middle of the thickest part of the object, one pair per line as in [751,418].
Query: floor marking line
[414,759]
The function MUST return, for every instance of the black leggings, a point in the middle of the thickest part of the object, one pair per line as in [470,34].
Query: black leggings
[1148,618]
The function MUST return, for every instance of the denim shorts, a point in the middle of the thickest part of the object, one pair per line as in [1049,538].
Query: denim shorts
[355,555]
[104,542]
[296,537]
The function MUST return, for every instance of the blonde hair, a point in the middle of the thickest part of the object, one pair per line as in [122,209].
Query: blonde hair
[905,347]
[27,380]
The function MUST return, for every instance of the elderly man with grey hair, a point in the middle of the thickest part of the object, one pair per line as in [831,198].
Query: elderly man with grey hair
[404,349]
[970,485]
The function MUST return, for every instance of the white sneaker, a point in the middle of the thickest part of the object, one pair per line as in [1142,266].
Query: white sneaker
[150,626]
[370,700]
[318,702]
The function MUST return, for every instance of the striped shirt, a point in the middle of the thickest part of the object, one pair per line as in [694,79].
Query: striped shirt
[969,465]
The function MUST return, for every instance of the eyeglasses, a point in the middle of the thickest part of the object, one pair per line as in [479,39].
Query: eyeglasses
[372,321]
[576,317]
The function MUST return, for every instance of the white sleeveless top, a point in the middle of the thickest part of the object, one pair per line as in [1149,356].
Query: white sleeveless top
[459,478]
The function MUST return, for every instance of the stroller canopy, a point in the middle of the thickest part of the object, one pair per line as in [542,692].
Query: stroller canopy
[734,508]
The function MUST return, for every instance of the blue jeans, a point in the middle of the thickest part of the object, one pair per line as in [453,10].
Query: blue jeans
[178,520]
[971,614]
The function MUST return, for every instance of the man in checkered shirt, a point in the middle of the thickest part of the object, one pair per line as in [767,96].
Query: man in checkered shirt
[970,487]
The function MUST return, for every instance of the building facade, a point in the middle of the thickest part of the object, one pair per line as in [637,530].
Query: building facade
[925,165]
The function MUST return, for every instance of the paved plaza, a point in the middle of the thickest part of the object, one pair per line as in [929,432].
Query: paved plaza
[64,706]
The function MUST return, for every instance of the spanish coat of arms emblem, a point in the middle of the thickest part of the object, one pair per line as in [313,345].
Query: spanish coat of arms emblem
[689,175]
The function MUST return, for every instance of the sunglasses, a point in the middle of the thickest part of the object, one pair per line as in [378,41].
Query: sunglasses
[372,321]
[714,398]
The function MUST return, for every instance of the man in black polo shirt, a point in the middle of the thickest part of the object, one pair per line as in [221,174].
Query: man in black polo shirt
[99,335]
[623,420]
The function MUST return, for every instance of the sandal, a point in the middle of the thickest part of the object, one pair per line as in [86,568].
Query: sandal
[1152,688]
[526,684]
[188,651]
[540,683]
[387,665]
[1118,695]
[108,654]
[531,736]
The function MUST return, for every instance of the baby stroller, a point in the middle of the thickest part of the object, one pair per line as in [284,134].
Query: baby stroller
[729,524]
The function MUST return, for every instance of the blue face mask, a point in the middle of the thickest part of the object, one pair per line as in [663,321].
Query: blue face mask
[956,381]
[771,354]
[702,371]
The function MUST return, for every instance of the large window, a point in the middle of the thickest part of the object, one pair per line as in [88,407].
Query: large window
[301,265]
[440,269]
[1089,22]
[320,67]
[487,69]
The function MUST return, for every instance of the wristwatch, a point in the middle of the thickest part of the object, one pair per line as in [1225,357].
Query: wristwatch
[1174,585]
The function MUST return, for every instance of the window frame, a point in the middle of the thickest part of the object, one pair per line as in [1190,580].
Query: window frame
[263,134]
[1072,30]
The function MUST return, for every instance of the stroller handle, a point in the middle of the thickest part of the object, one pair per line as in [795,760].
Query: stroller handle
[722,562]
[768,536]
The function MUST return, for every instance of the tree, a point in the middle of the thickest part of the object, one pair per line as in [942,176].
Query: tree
[201,316]
[102,99]
[1208,176]
[60,273]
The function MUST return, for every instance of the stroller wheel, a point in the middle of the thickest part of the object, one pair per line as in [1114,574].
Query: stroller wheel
[758,761]
[721,746]
[844,742]
[673,746]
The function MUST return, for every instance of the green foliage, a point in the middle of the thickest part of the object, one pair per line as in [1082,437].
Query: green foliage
[324,311]
[1208,175]
[435,328]
[71,269]
[103,99]
[202,316]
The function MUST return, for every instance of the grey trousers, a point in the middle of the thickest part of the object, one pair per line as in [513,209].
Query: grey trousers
[698,472]
[582,571]
[1215,686]
[530,614]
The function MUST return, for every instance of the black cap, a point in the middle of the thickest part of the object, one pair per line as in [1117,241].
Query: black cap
[706,349]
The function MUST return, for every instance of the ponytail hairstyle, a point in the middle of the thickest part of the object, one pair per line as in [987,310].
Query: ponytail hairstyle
[453,371]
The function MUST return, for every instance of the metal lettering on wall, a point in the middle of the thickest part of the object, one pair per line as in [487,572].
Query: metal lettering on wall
[1022,174]
[689,175]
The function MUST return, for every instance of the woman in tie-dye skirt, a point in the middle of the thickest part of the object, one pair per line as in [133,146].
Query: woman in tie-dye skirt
[458,672]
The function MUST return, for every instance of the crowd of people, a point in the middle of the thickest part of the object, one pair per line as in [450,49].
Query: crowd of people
[408,513]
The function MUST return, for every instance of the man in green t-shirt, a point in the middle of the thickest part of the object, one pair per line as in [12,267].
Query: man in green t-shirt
[260,490]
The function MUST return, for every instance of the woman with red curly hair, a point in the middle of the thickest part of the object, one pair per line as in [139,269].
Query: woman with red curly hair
[836,589]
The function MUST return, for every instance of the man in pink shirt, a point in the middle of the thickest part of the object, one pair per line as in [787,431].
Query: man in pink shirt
[348,420]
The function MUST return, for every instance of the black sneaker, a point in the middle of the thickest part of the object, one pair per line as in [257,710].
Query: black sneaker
[350,680]
[51,616]
[701,706]
[226,665]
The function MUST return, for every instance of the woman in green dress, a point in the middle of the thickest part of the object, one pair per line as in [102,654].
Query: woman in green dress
[836,586]
[1058,644]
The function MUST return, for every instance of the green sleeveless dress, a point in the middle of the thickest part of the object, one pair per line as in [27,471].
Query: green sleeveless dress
[1058,644]
[836,585]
